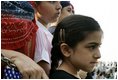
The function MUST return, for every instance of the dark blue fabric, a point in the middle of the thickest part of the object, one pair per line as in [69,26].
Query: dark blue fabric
[11,73]
[18,9]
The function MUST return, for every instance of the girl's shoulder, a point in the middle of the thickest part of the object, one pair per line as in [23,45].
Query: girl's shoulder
[61,74]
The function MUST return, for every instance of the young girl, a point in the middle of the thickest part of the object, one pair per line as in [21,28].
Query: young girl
[67,10]
[75,46]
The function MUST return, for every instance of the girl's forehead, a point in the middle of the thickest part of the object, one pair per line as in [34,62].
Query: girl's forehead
[95,37]
[69,6]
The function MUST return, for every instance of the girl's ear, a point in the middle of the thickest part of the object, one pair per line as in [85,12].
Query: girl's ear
[66,50]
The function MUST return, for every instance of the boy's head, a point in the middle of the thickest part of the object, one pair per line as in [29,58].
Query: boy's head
[48,11]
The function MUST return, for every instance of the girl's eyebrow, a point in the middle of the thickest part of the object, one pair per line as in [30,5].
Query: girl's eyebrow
[68,8]
[94,43]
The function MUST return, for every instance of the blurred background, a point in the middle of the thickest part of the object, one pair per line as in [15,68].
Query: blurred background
[106,13]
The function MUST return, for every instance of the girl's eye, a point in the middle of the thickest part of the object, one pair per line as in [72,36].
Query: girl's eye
[92,47]
[69,10]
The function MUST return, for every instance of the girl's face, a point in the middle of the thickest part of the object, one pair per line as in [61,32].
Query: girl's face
[49,10]
[86,54]
[66,11]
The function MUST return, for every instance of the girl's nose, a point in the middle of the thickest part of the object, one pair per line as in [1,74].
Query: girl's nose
[97,54]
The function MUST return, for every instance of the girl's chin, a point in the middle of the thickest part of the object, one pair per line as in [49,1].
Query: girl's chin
[89,69]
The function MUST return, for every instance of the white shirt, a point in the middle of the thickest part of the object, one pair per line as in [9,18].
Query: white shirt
[43,44]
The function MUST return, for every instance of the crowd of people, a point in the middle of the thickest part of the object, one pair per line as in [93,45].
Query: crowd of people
[106,70]
[103,70]
[43,51]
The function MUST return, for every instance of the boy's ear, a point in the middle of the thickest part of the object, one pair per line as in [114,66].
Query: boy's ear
[66,50]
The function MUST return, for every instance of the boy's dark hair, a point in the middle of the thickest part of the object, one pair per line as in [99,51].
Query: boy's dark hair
[71,30]
[37,2]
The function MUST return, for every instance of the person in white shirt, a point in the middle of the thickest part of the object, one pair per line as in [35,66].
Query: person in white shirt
[46,12]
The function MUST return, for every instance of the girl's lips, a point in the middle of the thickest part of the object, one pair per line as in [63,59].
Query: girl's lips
[93,62]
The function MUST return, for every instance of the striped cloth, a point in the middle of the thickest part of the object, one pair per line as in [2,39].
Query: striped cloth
[17,9]
[18,27]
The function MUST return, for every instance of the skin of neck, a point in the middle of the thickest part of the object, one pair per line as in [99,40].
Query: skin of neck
[58,20]
[41,20]
[68,67]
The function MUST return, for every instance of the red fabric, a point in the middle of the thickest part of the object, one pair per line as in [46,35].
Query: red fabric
[32,3]
[17,33]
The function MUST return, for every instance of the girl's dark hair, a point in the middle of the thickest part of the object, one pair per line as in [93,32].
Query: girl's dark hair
[71,30]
